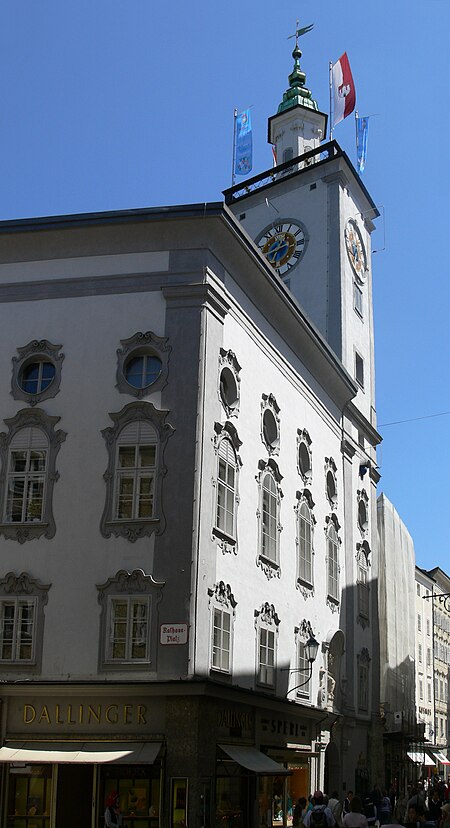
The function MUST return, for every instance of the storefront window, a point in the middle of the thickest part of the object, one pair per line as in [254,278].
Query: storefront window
[139,790]
[278,796]
[231,799]
[29,796]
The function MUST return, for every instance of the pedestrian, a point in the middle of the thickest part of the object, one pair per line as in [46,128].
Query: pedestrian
[113,817]
[434,806]
[370,811]
[320,816]
[335,807]
[355,817]
[346,803]
[384,809]
[299,812]
[445,811]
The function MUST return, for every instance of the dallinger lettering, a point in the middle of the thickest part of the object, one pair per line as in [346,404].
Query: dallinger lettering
[85,714]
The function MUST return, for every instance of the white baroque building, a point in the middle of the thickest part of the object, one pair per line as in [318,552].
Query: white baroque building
[188,497]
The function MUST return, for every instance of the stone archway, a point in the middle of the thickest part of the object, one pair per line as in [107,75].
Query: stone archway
[332,770]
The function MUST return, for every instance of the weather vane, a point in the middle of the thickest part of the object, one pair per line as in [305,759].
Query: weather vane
[300,32]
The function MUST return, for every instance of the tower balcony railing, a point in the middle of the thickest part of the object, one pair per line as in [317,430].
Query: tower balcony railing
[316,156]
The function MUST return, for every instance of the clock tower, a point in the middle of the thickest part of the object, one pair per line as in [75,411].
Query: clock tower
[312,218]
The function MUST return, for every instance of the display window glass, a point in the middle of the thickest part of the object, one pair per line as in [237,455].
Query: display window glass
[139,791]
[30,796]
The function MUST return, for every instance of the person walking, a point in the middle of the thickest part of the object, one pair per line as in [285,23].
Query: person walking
[113,817]
[335,807]
[355,817]
[320,816]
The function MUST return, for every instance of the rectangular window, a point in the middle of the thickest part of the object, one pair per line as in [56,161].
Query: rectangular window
[226,488]
[135,482]
[269,537]
[428,627]
[429,693]
[221,640]
[359,369]
[428,657]
[301,676]
[418,589]
[357,299]
[420,653]
[26,482]
[420,689]
[266,671]
[129,629]
[17,630]
[419,623]
[363,687]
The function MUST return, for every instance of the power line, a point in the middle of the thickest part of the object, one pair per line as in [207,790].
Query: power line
[413,419]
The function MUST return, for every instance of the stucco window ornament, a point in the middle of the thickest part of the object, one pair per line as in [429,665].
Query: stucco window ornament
[363,511]
[129,620]
[28,458]
[268,518]
[142,364]
[270,424]
[331,481]
[229,382]
[333,544]
[363,663]
[36,372]
[302,633]
[225,484]
[136,444]
[22,602]
[266,623]
[222,608]
[304,540]
[304,456]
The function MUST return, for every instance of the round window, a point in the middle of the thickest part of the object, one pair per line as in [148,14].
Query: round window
[270,428]
[36,377]
[228,388]
[331,487]
[144,370]
[304,460]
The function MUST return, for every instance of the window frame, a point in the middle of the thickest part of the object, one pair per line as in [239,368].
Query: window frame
[229,367]
[305,501]
[222,602]
[269,563]
[23,589]
[226,435]
[131,602]
[134,527]
[128,586]
[270,408]
[333,542]
[142,344]
[267,623]
[25,530]
[39,351]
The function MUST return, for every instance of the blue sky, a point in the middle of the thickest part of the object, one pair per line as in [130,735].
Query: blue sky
[116,105]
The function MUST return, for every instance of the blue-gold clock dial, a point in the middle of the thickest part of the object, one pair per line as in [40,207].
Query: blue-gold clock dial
[283,245]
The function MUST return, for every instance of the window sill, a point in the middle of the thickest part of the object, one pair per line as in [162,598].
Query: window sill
[304,583]
[223,536]
[271,569]
[220,675]
[131,529]
[113,666]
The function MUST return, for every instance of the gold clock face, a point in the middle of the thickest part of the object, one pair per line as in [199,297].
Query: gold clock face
[283,245]
[355,249]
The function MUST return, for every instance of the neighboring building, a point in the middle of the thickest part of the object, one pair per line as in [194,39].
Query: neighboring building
[440,600]
[397,611]
[425,705]
[188,497]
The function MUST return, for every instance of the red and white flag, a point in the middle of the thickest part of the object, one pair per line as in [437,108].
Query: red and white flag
[344,93]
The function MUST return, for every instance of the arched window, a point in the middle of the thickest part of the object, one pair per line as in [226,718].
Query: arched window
[305,530]
[226,488]
[362,584]
[332,562]
[135,472]
[269,518]
[28,455]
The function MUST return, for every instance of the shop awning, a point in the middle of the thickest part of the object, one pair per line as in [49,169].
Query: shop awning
[125,753]
[441,757]
[421,758]
[254,760]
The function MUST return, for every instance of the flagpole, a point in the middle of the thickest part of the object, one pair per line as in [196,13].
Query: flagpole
[233,178]
[331,99]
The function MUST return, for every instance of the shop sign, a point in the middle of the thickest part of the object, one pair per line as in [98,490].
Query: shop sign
[83,715]
[235,722]
[284,729]
[174,634]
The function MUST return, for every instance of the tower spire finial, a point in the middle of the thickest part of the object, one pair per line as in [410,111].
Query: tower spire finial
[297,93]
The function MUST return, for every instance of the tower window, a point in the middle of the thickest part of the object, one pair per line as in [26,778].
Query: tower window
[359,369]
[357,299]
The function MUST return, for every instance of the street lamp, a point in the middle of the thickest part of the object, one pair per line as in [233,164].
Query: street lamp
[311,650]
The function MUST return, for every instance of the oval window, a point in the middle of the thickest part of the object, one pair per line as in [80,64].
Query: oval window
[142,371]
[36,377]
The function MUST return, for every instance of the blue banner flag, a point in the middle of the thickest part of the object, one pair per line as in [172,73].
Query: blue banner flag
[362,130]
[244,146]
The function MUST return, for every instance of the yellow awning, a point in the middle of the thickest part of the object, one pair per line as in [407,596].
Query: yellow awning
[127,753]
